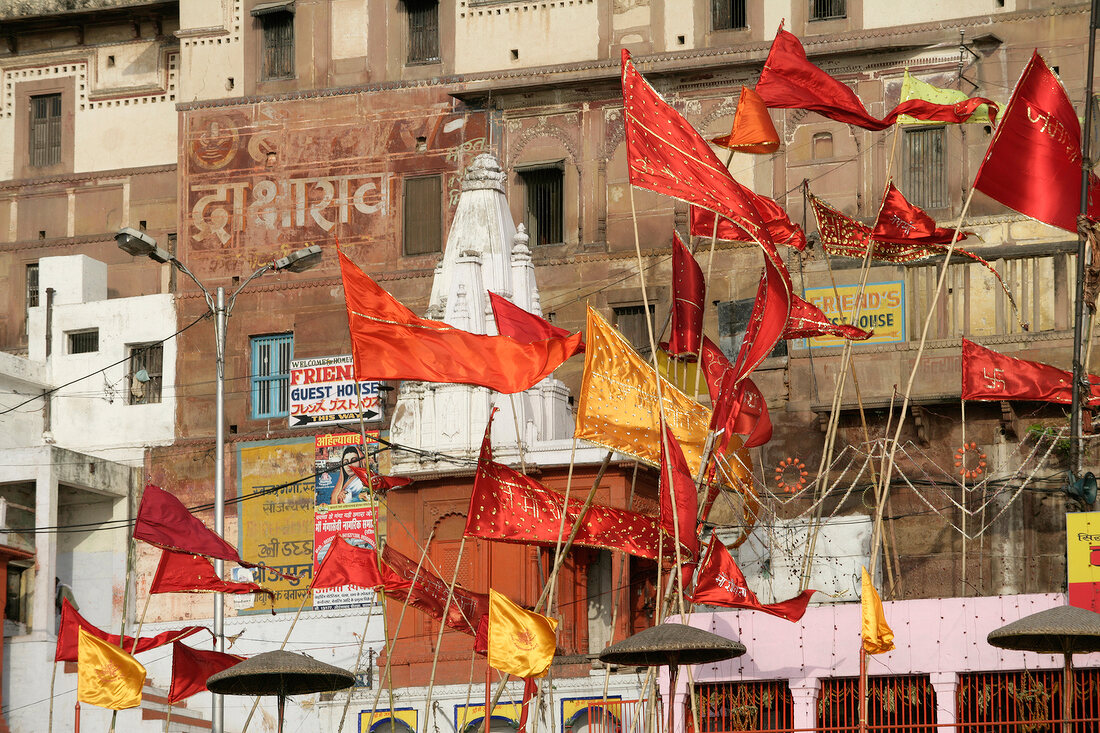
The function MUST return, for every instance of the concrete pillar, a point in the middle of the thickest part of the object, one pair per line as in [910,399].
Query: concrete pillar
[43,614]
[945,684]
[805,692]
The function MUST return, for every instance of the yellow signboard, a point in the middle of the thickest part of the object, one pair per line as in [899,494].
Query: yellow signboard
[1083,559]
[882,311]
[465,715]
[276,529]
[404,721]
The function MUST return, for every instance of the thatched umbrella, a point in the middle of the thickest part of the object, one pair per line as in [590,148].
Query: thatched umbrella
[280,673]
[1065,630]
[671,645]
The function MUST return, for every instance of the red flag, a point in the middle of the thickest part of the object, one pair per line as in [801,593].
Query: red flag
[682,487]
[390,342]
[192,667]
[507,506]
[740,408]
[1033,164]
[68,634]
[180,572]
[780,227]
[807,321]
[524,326]
[688,293]
[377,482]
[429,594]
[665,154]
[987,375]
[346,564]
[902,222]
[753,131]
[789,80]
[720,583]
[163,521]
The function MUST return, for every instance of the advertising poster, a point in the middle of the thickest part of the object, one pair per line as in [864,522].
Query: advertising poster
[343,507]
[277,528]
[322,392]
[882,311]
[1083,559]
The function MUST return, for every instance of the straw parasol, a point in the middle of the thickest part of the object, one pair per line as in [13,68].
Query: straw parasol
[1065,630]
[280,673]
[672,645]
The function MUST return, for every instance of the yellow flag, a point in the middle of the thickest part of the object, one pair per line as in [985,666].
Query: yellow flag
[520,642]
[618,405]
[877,636]
[107,676]
[912,88]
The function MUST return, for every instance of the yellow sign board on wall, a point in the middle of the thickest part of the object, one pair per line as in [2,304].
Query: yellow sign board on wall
[882,311]
[405,721]
[1083,559]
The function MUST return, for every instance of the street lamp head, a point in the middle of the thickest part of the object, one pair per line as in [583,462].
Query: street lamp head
[140,244]
[300,260]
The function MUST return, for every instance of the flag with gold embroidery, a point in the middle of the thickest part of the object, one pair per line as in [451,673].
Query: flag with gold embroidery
[106,676]
[618,406]
[520,642]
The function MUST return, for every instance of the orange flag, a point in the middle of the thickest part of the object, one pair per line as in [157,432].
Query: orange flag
[520,642]
[107,676]
[878,637]
[753,131]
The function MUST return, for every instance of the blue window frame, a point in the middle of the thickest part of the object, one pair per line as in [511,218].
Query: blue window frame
[271,357]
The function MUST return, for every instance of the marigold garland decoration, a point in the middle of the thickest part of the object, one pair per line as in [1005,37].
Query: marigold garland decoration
[961,461]
[781,475]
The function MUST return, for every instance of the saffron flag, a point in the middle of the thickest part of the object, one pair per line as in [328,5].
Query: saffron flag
[163,521]
[377,482]
[876,633]
[390,342]
[753,131]
[679,503]
[791,81]
[987,375]
[429,594]
[688,293]
[192,667]
[902,222]
[1033,164]
[914,88]
[807,321]
[106,676]
[524,326]
[180,572]
[721,583]
[346,564]
[780,227]
[618,406]
[72,623]
[520,642]
[507,506]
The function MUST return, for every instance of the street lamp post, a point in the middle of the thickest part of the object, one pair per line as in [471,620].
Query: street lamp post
[140,244]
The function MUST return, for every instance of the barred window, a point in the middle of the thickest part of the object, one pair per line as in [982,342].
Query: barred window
[422,215]
[544,211]
[145,372]
[423,42]
[827,9]
[45,130]
[271,357]
[83,342]
[631,322]
[728,14]
[924,167]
